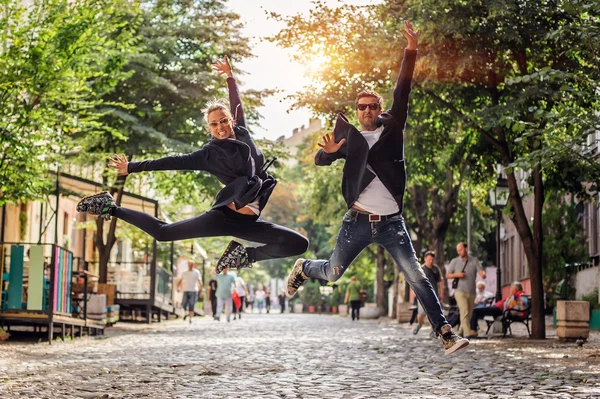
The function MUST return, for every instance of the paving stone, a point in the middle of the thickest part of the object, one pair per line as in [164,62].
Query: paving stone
[292,356]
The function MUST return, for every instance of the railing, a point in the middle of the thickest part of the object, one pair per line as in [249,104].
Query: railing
[133,281]
[164,286]
[38,278]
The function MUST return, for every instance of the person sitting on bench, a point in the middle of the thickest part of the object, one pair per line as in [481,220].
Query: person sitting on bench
[513,301]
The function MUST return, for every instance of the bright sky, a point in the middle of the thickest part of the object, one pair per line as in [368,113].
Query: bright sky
[272,68]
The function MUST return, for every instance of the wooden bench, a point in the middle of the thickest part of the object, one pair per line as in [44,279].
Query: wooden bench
[510,316]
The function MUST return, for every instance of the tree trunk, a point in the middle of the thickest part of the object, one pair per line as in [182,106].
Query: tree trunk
[380,281]
[538,319]
[104,249]
[438,246]
[521,222]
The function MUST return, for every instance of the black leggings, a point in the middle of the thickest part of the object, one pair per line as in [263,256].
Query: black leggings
[280,242]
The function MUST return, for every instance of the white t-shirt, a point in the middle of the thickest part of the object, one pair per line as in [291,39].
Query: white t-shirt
[190,279]
[375,198]
[254,207]
[260,295]
[240,284]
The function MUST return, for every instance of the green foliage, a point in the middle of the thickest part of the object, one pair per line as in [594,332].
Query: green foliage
[592,298]
[56,58]
[170,82]
[564,242]
[311,295]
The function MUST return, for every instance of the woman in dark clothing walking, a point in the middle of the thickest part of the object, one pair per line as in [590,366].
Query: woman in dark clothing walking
[233,158]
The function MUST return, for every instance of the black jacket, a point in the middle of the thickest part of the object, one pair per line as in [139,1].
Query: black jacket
[386,157]
[237,163]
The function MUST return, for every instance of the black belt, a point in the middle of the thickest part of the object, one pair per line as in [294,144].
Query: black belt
[371,217]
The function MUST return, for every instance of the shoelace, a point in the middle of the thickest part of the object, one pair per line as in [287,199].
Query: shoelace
[298,280]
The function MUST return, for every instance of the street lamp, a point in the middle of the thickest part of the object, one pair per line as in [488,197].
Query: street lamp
[498,199]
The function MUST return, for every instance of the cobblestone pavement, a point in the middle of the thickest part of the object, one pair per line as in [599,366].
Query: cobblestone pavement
[294,356]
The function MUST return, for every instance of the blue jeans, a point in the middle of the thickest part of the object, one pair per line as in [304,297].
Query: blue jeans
[356,234]
[189,300]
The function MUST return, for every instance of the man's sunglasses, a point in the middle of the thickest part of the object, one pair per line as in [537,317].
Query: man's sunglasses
[223,121]
[372,106]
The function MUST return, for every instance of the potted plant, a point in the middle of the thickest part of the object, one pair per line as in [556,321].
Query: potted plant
[592,298]
[336,298]
[311,295]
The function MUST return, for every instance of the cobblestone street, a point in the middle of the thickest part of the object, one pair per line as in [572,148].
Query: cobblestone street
[294,356]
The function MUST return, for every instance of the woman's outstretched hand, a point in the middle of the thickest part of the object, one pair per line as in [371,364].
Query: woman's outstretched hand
[120,163]
[223,67]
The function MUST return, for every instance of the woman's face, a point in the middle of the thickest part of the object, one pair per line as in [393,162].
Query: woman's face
[220,125]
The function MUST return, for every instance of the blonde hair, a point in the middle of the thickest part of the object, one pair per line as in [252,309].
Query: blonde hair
[216,105]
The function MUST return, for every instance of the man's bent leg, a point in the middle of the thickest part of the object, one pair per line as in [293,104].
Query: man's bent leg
[353,237]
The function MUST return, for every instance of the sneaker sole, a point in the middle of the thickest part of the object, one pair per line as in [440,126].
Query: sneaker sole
[463,343]
[287,293]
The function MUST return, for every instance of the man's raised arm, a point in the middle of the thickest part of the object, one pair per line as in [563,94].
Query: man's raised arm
[399,108]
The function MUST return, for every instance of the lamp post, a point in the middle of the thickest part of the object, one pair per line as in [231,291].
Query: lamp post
[498,200]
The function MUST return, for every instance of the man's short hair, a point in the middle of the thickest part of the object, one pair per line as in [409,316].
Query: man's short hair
[464,244]
[517,285]
[369,93]
[429,253]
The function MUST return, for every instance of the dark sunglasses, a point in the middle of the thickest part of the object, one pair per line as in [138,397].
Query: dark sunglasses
[372,106]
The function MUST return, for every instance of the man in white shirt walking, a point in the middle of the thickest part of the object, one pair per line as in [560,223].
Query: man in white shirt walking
[192,285]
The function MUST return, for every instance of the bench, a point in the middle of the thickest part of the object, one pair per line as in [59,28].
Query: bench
[510,316]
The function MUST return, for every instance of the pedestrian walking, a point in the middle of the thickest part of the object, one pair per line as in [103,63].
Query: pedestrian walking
[463,270]
[434,275]
[268,299]
[242,291]
[251,300]
[191,283]
[212,294]
[260,298]
[373,185]
[225,287]
[233,158]
[281,298]
[353,296]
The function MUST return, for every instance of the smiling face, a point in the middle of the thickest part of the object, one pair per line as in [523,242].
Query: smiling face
[220,124]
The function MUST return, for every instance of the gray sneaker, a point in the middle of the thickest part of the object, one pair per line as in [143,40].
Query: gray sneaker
[98,204]
[451,341]
[296,278]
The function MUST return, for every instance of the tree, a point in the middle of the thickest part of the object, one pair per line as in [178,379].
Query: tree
[360,55]
[170,82]
[564,241]
[522,76]
[56,58]
[499,67]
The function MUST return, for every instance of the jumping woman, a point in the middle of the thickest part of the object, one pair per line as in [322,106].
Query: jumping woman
[233,158]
